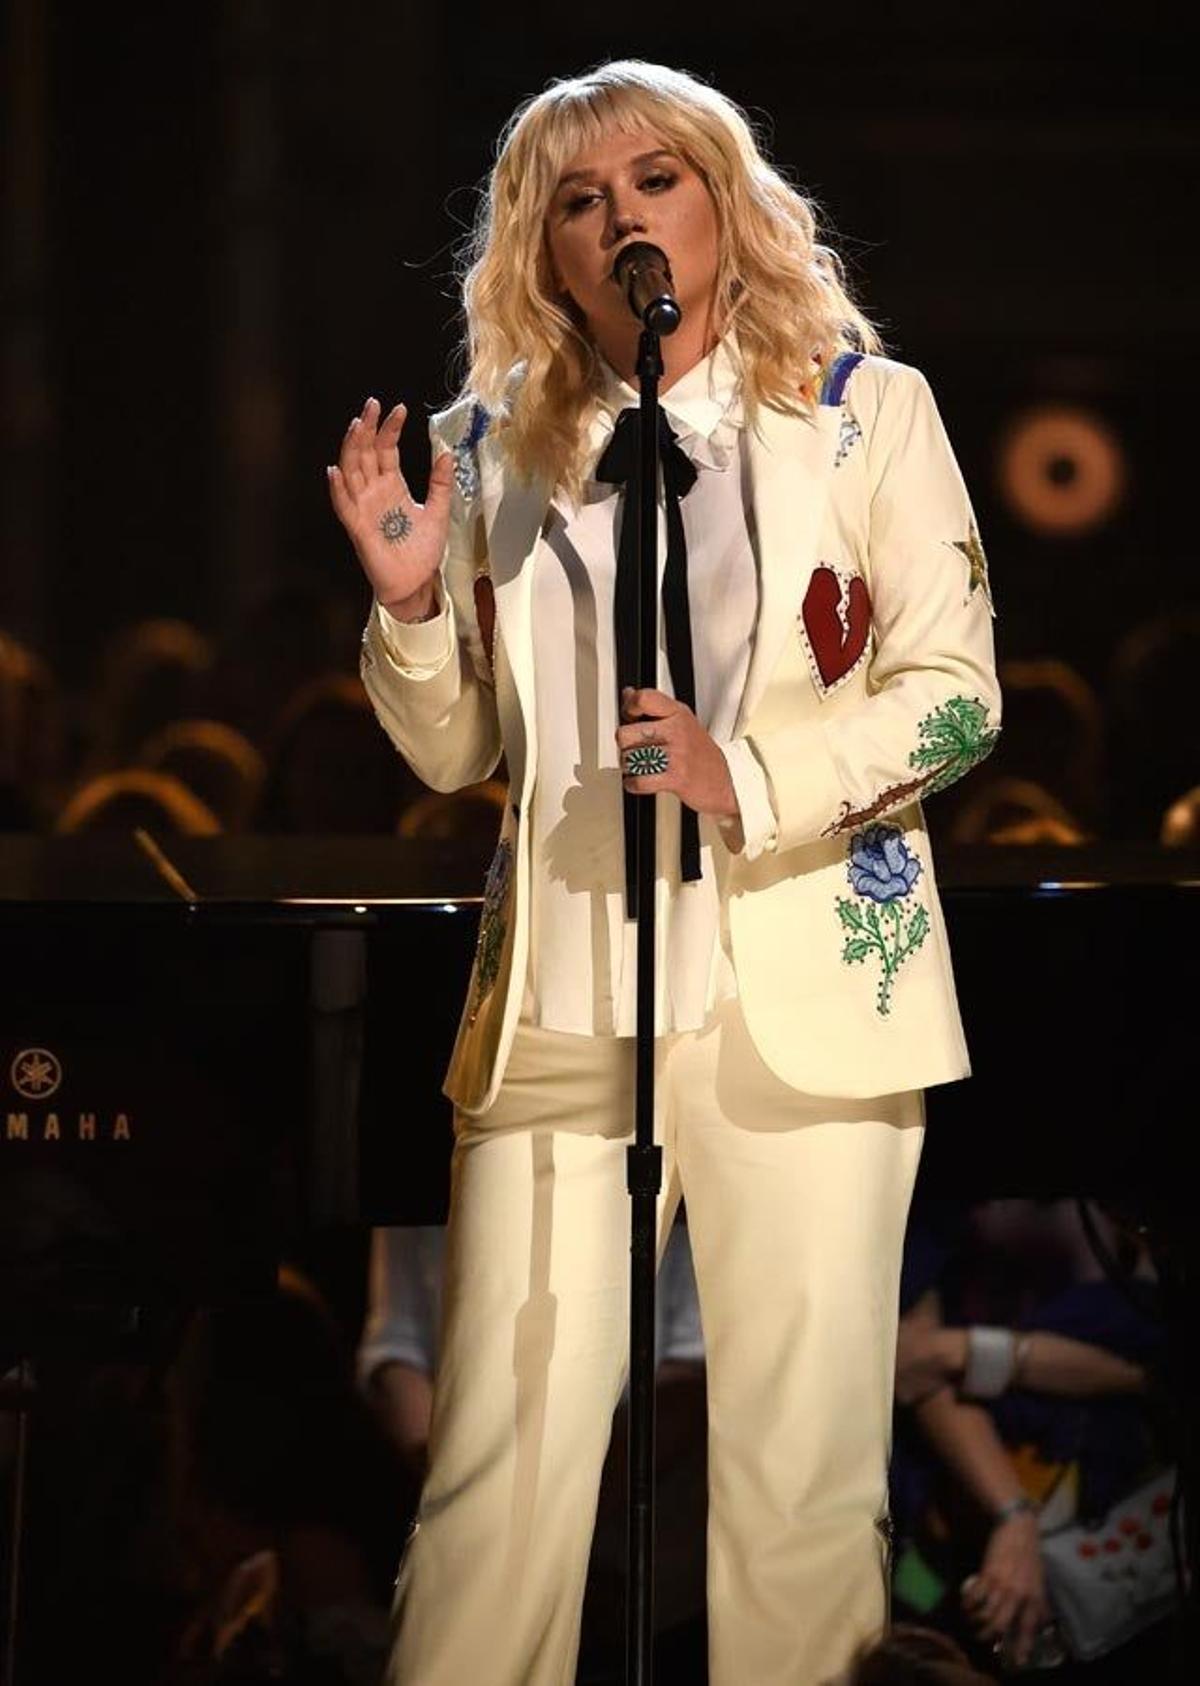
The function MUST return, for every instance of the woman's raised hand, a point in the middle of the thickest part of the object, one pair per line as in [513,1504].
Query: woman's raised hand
[399,542]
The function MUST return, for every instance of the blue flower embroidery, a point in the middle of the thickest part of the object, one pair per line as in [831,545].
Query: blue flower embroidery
[880,864]
[881,869]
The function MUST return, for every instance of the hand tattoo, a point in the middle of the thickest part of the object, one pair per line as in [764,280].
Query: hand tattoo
[395,525]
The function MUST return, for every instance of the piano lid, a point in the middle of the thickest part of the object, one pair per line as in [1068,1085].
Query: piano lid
[281,872]
[287,872]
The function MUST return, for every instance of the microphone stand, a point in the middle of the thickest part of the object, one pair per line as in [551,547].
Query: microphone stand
[644,1157]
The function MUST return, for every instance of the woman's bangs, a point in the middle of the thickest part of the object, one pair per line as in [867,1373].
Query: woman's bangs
[578,117]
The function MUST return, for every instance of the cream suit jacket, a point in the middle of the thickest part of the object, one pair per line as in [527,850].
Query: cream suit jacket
[872,681]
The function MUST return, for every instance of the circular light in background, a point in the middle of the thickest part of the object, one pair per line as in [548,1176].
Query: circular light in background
[1061,468]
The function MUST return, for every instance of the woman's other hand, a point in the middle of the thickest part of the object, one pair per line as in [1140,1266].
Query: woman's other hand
[399,542]
[696,772]
[1008,1595]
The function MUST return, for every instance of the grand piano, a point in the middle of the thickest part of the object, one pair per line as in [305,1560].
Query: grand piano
[207,1042]
[210,1046]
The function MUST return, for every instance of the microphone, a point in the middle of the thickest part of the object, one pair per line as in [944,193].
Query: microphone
[644,275]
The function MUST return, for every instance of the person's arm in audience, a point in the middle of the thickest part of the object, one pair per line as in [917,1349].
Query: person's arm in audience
[930,1355]
[1008,1593]
[402,1397]
[397,1351]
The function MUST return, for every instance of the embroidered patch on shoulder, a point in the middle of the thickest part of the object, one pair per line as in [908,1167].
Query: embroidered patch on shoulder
[882,871]
[953,739]
[466,465]
[833,385]
[848,436]
[835,624]
[977,569]
[493,926]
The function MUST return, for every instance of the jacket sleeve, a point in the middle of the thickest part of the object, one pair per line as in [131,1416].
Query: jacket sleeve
[933,704]
[431,684]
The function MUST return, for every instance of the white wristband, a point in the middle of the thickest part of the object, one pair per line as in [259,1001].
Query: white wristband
[991,1361]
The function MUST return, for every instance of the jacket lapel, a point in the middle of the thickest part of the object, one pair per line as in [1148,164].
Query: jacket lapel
[791,464]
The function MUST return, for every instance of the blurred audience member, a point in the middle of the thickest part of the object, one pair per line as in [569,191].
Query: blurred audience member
[215,761]
[286,1501]
[1026,1371]
[210,1501]
[330,770]
[1010,810]
[1181,823]
[30,738]
[150,675]
[397,1352]
[908,1655]
[136,797]
[1152,746]
[295,636]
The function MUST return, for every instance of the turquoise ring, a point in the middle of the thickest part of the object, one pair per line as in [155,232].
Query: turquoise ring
[646,760]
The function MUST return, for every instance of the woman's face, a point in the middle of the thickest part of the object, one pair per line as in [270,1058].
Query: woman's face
[622,188]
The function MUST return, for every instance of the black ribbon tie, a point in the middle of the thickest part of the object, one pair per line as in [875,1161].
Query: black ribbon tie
[618,466]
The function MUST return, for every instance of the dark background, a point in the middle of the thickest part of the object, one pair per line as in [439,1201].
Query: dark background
[225,224]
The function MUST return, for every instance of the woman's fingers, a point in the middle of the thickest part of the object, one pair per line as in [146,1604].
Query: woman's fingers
[645,732]
[398,541]
[984,1603]
[369,452]
[387,440]
[350,458]
[364,439]
[657,704]
[441,485]
[1000,1610]
[1034,1617]
[974,1596]
[343,503]
[1001,1614]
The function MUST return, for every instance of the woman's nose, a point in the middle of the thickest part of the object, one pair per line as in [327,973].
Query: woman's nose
[626,223]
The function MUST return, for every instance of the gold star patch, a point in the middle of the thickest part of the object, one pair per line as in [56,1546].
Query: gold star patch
[972,549]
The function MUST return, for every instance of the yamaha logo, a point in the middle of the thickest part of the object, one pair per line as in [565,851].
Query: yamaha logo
[36,1074]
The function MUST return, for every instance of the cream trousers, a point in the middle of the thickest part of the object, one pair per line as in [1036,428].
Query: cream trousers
[796,1211]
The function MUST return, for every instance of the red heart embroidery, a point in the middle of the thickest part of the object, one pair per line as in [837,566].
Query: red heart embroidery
[835,647]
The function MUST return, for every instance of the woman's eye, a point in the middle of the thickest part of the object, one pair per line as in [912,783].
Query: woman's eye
[657,183]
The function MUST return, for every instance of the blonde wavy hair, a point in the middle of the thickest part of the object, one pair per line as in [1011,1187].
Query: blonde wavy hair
[780,292]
